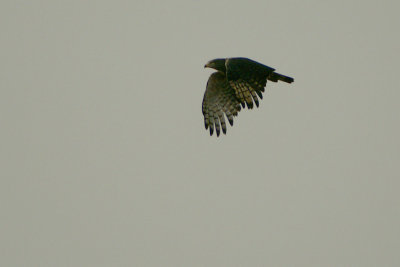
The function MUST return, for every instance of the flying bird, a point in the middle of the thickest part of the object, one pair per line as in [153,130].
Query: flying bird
[238,82]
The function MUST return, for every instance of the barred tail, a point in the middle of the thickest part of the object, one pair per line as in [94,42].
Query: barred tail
[274,77]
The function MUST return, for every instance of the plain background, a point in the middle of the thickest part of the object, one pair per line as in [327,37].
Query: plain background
[105,160]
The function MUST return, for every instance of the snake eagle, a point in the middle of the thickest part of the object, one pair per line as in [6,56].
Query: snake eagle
[238,82]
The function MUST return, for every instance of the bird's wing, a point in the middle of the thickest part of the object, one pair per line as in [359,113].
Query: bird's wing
[219,98]
[248,78]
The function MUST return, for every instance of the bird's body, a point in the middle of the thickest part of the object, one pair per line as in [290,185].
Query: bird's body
[238,82]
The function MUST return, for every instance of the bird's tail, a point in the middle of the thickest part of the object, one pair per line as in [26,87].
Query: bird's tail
[274,77]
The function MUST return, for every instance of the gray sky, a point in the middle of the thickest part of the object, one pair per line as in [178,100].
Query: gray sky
[106,162]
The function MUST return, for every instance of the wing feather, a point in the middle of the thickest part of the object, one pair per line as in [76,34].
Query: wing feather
[248,78]
[219,101]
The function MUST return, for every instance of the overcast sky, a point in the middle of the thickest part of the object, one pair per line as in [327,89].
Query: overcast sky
[105,160]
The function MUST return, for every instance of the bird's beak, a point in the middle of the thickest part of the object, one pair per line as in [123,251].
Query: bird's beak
[205,66]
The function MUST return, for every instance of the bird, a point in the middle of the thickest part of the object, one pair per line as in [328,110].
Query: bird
[237,83]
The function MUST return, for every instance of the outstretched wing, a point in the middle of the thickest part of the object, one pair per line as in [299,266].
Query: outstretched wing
[248,78]
[219,98]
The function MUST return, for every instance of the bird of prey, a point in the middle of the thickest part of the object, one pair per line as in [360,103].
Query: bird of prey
[238,82]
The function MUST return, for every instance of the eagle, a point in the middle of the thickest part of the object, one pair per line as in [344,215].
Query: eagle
[238,83]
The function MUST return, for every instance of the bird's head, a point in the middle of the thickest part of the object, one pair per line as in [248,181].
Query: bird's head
[218,64]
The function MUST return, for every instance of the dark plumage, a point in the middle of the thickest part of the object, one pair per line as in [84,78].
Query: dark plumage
[238,82]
